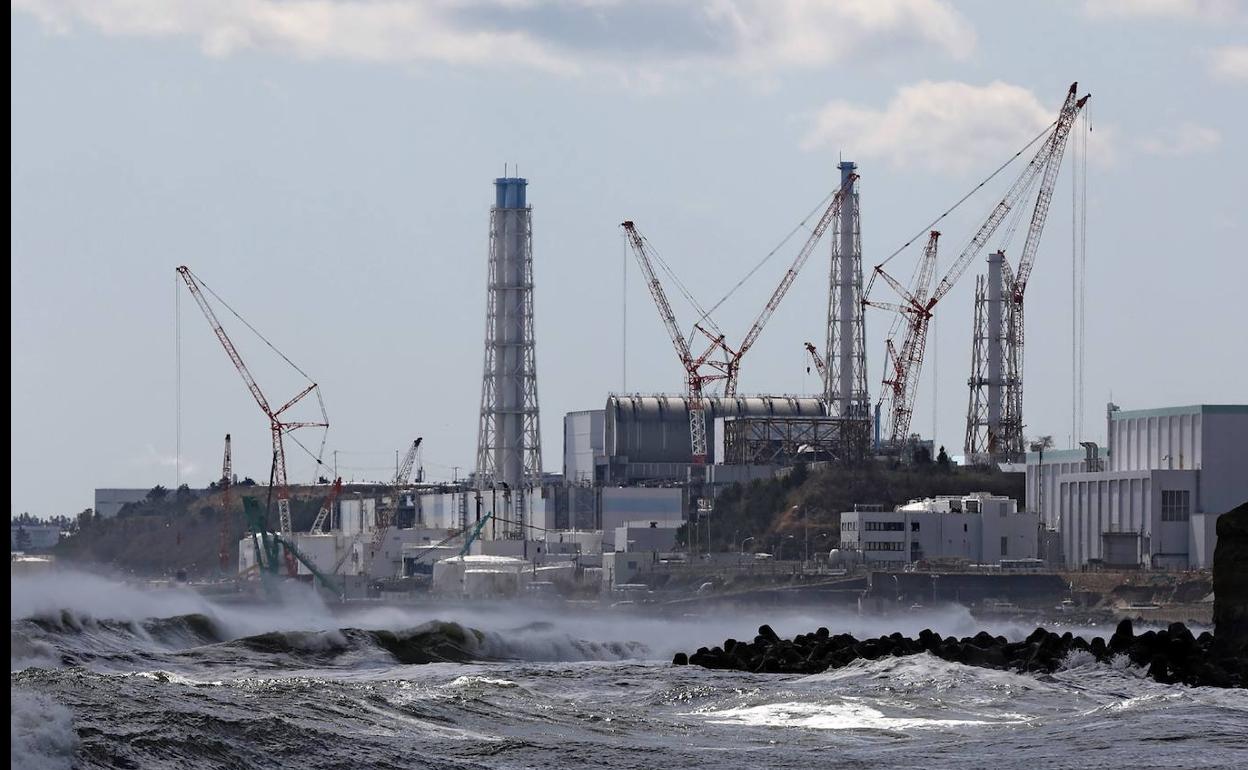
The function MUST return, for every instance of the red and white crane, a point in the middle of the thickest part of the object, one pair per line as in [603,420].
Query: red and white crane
[1043,163]
[901,374]
[829,215]
[278,428]
[699,370]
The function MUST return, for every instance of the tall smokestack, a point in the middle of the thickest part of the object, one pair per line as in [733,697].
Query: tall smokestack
[846,393]
[509,451]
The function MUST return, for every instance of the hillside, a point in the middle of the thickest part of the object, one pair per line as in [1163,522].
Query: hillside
[806,504]
[177,531]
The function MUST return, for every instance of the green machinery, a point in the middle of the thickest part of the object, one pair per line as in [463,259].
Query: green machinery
[269,546]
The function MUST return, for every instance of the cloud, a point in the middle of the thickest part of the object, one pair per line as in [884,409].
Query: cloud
[567,37]
[1230,63]
[1203,10]
[1183,139]
[152,458]
[940,126]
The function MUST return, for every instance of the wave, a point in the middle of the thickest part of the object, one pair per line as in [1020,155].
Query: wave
[72,638]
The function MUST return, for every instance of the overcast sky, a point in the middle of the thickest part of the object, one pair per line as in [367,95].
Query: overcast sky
[326,166]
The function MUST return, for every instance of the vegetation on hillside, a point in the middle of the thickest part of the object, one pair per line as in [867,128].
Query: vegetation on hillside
[179,530]
[782,515]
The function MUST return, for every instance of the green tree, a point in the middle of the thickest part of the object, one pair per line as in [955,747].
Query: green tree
[157,493]
[943,460]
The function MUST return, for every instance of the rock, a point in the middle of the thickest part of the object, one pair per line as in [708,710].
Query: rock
[1172,656]
[1230,581]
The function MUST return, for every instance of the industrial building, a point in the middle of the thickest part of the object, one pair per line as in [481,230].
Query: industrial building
[1156,491]
[108,502]
[979,529]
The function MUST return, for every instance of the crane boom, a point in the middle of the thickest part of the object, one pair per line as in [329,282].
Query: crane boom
[385,513]
[1016,193]
[1061,133]
[641,248]
[227,474]
[821,366]
[326,507]
[832,211]
[695,379]
[907,362]
[277,428]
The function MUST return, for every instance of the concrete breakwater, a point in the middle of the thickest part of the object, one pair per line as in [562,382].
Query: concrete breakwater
[1172,656]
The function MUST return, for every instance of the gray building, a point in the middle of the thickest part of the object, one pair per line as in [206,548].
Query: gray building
[1163,480]
[979,528]
[647,437]
[108,502]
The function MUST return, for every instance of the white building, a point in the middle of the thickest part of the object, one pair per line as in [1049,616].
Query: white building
[1163,480]
[980,528]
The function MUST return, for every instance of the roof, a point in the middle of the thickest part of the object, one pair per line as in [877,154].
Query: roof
[1123,414]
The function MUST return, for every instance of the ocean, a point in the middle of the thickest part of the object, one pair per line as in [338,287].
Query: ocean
[104,675]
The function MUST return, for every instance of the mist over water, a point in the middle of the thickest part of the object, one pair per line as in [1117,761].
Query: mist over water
[104,674]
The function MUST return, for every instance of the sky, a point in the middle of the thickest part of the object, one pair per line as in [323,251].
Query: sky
[326,167]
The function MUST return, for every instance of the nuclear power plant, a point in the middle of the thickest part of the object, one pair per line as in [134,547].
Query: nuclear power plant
[640,475]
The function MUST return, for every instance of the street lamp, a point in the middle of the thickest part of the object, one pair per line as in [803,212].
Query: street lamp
[743,542]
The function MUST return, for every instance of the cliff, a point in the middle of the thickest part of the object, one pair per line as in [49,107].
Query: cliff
[1230,579]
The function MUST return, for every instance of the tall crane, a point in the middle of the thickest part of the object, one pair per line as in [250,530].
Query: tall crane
[901,376]
[830,214]
[278,428]
[699,370]
[1018,191]
[1016,282]
[227,476]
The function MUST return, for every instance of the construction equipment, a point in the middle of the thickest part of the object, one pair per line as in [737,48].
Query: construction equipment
[326,507]
[223,549]
[821,366]
[1041,164]
[385,512]
[269,546]
[476,532]
[1002,439]
[699,370]
[830,214]
[901,374]
[278,429]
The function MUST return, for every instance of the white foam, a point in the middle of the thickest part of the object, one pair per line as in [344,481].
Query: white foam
[846,715]
[41,732]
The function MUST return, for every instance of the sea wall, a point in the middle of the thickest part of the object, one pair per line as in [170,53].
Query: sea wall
[1230,579]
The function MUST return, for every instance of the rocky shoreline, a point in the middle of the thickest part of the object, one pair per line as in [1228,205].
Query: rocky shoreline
[1173,655]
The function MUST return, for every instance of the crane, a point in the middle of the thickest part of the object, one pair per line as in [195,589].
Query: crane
[696,368]
[821,366]
[786,282]
[278,429]
[385,513]
[1016,281]
[223,550]
[1040,164]
[326,507]
[901,377]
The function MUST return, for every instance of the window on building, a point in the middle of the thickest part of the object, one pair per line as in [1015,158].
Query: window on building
[1005,546]
[1176,504]
[963,527]
[914,526]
